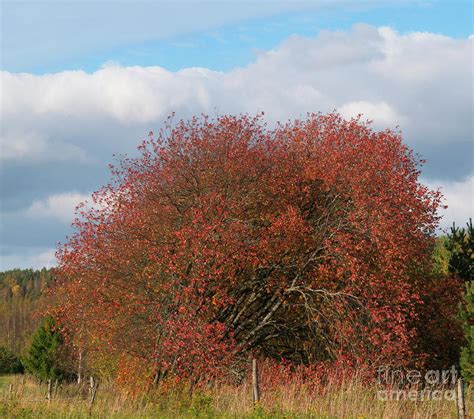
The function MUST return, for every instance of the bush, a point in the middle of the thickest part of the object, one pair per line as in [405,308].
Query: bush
[43,356]
[460,244]
[9,362]
[467,317]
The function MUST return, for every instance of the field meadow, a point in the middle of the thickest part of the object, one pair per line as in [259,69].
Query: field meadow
[21,396]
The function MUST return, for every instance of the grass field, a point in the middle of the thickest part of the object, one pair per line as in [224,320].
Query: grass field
[22,397]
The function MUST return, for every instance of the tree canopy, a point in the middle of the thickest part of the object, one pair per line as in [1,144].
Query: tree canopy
[309,242]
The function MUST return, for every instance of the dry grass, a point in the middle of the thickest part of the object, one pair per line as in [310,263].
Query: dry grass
[349,400]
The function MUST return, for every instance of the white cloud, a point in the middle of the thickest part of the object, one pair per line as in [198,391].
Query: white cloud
[27,145]
[59,206]
[459,197]
[63,128]
[45,259]
[381,112]
[421,81]
[33,258]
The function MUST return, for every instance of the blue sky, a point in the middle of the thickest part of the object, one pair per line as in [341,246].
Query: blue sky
[84,80]
[41,37]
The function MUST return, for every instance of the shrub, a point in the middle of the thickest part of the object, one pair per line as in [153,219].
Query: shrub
[9,362]
[43,358]
[467,318]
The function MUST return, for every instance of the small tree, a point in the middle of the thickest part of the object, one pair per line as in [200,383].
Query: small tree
[42,359]
[466,360]
[9,362]
[461,245]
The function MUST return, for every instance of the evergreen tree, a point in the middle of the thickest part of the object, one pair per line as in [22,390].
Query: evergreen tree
[42,359]
[460,243]
[9,362]
[467,317]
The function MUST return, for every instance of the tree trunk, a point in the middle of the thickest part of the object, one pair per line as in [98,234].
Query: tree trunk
[255,385]
[79,368]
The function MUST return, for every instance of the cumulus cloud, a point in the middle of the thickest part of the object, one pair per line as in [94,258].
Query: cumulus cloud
[381,112]
[61,129]
[459,198]
[29,258]
[420,81]
[28,145]
[59,206]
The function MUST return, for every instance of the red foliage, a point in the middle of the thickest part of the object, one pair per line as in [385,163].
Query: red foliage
[308,242]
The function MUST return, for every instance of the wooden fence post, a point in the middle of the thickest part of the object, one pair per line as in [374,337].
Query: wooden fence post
[48,395]
[91,385]
[79,368]
[255,384]
[93,391]
[460,399]
[55,388]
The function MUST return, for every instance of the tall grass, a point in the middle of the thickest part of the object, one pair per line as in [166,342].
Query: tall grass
[347,399]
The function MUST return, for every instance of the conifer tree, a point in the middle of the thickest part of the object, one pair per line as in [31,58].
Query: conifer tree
[467,317]
[461,245]
[42,359]
[9,362]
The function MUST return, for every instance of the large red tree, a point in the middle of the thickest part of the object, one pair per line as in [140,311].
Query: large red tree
[307,242]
